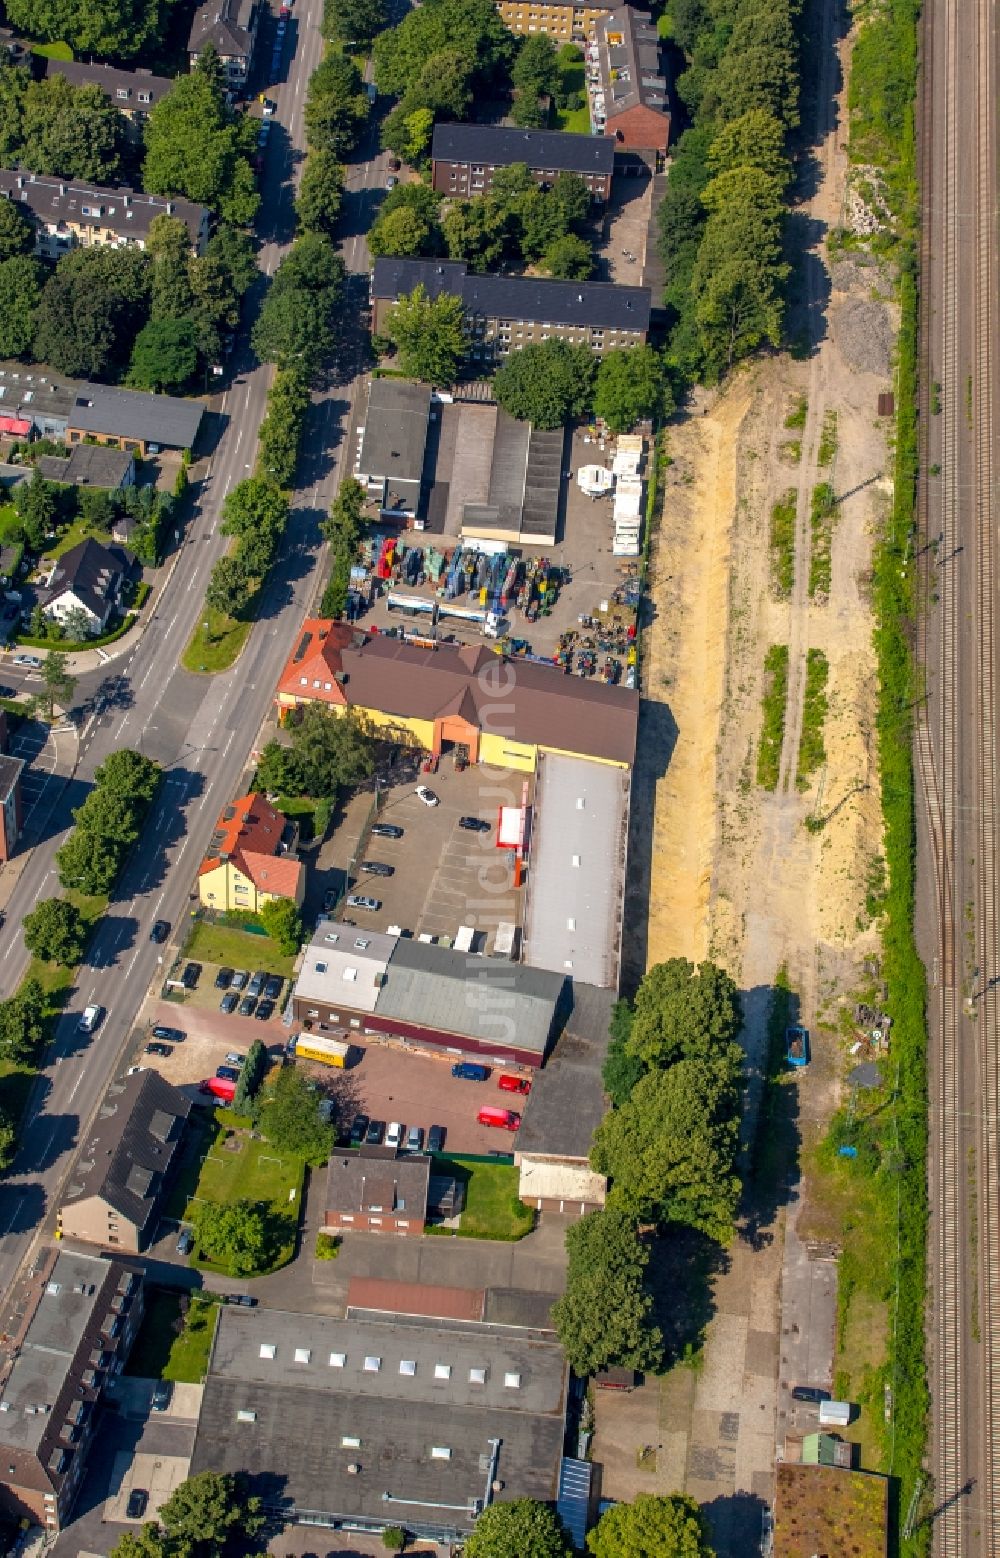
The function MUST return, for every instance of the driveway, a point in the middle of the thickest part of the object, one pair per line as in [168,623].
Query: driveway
[153,1453]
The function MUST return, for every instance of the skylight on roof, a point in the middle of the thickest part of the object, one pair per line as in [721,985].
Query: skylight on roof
[372,1365]
[267,1349]
[440,1452]
[337,1360]
[512,1381]
[477,1376]
[442,1371]
[407,1366]
[303,1354]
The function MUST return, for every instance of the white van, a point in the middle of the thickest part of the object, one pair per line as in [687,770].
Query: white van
[91,1017]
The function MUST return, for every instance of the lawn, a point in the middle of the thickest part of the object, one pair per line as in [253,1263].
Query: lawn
[78,531]
[234,1168]
[575,120]
[211,942]
[53,51]
[217,646]
[492,1209]
[168,1347]
[9,522]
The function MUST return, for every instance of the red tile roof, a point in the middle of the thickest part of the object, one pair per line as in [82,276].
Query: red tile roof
[248,833]
[314,665]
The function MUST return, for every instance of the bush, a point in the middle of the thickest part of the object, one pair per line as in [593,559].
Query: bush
[327,1245]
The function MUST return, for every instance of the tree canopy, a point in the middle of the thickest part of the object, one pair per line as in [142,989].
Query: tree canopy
[430,335]
[684,1013]
[22,1023]
[20,292]
[16,234]
[290,1118]
[116,28]
[630,387]
[165,355]
[196,147]
[516,1529]
[547,382]
[55,931]
[295,327]
[328,752]
[91,309]
[604,1318]
[652,1526]
[232,1234]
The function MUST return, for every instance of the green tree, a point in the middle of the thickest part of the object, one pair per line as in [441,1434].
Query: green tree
[337,107]
[295,326]
[233,1235]
[59,684]
[622,1069]
[8,1141]
[280,432]
[569,258]
[150,1541]
[394,1539]
[290,1118]
[115,28]
[37,505]
[401,231]
[755,140]
[56,932]
[252,1074]
[546,383]
[604,1318]
[652,1526]
[329,751]
[254,504]
[14,83]
[91,309]
[670,1150]
[196,149]
[347,511]
[281,919]
[353,21]
[630,387]
[430,335]
[573,198]
[682,1013]
[72,132]
[164,356]
[535,74]
[16,234]
[230,588]
[760,65]
[88,862]
[275,769]
[321,188]
[22,1026]
[517,1528]
[20,291]
[470,30]
[129,774]
[477,231]
[209,1510]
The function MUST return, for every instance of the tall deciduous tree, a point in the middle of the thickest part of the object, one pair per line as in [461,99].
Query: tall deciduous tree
[20,292]
[353,21]
[91,309]
[605,1317]
[55,931]
[430,335]
[684,1013]
[207,1511]
[517,1529]
[196,149]
[59,683]
[321,187]
[22,1022]
[165,355]
[630,387]
[652,1526]
[73,132]
[546,383]
[290,1118]
[117,28]
[232,1234]
[755,140]
[16,234]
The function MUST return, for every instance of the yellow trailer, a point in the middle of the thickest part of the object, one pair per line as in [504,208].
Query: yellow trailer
[329,1052]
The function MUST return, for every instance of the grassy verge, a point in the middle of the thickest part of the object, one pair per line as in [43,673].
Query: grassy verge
[827,440]
[783,545]
[229,947]
[174,1339]
[235,1168]
[822,516]
[812,752]
[216,643]
[772,732]
[492,1209]
[572,79]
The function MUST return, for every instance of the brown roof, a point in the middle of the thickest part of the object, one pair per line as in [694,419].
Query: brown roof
[539,706]
[370,1182]
[249,833]
[825,1511]
[415,1298]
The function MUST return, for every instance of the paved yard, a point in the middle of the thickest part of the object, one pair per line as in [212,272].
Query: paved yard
[209,1036]
[158,1474]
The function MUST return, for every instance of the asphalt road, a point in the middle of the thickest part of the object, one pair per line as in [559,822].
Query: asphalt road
[200,729]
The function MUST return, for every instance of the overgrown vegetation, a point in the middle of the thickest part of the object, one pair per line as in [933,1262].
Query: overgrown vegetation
[827,440]
[822,518]
[812,752]
[772,730]
[783,544]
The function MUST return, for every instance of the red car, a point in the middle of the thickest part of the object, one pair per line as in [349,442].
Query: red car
[514,1084]
[503,1119]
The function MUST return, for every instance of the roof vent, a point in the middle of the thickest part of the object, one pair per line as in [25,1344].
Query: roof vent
[353,1469]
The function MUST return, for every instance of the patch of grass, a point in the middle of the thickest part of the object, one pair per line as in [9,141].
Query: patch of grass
[301,809]
[9,522]
[822,517]
[175,1337]
[210,942]
[53,51]
[791,450]
[492,1209]
[796,418]
[812,752]
[572,79]
[218,645]
[235,1168]
[327,1245]
[783,545]
[827,439]
[772,732]
[78,531]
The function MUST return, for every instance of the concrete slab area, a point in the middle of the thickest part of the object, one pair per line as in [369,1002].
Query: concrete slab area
[158,1474]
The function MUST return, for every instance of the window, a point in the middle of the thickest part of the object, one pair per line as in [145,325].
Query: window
[123,92]
[440,1452]
[267,1349]
[372,1365]
[245,1415]
[512,1381]
[350,1442]
[407,1366]
[375,1222]
[337,1360]
[477,1376]
[303,1354]
[442,1371]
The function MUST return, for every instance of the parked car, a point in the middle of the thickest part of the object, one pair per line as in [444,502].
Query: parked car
[391,181]
[360,901]
[468,1071]
[163,1392]
[132,1070]
[265,1011]
[435,1138]
[248,1005]
[394,1135]
[268,105]
[185,1244]
[136,1506]
[427,796]
[229,1002]
[474,824]
[223,979]
[377,868]
[415,1138]
[273,986]
[160,930]
[387,830]
[155,1048]
[503,1119]
[89,1019]
[227,1073]
[374,1133]
[245,1300]
[172,1035]
[191,975]
[811,1393]
[330,898]
[514,1085]
[359,1130]
[234,1058]
[256,984]
[239,979]
[28,662]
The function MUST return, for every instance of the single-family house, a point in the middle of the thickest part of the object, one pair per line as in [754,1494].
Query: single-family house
[90,579]
[248,862]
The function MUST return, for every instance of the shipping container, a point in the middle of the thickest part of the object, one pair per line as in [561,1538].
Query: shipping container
[329,1052]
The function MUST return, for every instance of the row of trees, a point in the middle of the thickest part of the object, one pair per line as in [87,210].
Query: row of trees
[343,529]
[353,23]
[674,1073]
[108,823]
[649,1527]
[254,514]
[197,146]
[514,223]
[721,219]
[296,327]
[52,127]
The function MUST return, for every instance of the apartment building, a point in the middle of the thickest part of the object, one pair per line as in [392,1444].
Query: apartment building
[566,23]
[629,98]
[230,26]
[464,157]
[68,215]
[133,92]
[505,313]
[248,862]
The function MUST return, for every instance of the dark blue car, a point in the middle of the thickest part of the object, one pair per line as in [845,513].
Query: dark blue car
[469,1072]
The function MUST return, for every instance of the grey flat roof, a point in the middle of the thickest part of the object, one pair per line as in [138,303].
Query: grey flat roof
[297,1415]
[567,1095]
[600,304]
[28,390]
[395,433]
[344,963]
[493,1001]
[158,419]
[502,145]
[576,885]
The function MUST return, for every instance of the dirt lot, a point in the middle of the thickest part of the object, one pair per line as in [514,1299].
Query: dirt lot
[210,1035]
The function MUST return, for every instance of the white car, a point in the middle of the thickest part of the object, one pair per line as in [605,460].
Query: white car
[427,796]
[29,662]
[91,1017]
[394,1135]
[234,1059]
[131,1072]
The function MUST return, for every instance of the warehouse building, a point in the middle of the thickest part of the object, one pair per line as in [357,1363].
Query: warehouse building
[393,444]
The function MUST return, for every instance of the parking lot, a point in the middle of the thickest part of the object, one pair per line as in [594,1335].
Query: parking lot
[209,1037]
[444,876]
[34,743]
